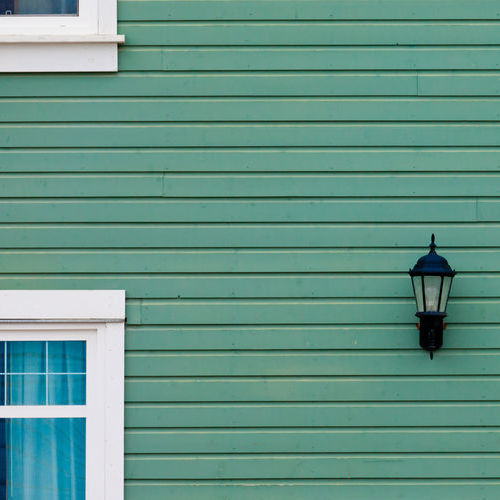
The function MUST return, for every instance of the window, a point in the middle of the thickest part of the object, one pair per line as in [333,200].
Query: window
[58,35]
[61,395]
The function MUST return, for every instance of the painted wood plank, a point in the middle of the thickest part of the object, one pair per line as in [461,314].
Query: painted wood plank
[314,389]
[250,159]
[273,363]
[308,59]
[300,311]
[325,185]
[222,286]
[313,441]
[302,337]
[252,286]
[304,33]
[453,210]
[276,466]
[459,84]
[236,261]
[247,286]
[325,414]
[350,489]
[250,135]
[172,10]
[488,209]
[225,235]
[397,186]
[77,185]
[212,84]
[149,109]
[215,84]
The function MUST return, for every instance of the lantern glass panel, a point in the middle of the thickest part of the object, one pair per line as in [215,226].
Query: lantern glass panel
[432,287]
[419,296]
[445,293]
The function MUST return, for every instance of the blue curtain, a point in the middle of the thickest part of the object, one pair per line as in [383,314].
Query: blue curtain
[43,458]
[26,368]
[46,459]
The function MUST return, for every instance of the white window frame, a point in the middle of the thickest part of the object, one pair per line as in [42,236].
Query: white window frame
[97,317]
[86,42]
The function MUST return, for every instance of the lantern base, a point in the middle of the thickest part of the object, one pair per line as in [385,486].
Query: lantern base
[431,330]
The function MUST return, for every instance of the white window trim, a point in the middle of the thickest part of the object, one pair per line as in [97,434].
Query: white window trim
[97,317]
[87,42]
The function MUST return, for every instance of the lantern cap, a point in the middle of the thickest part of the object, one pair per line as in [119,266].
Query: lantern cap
[432,264]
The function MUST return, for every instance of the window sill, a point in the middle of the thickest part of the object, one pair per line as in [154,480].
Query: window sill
[62,38]
[59,53]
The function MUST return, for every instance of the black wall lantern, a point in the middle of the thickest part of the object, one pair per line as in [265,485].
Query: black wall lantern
[431,278]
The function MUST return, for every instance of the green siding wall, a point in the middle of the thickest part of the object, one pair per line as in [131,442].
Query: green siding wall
[259,176]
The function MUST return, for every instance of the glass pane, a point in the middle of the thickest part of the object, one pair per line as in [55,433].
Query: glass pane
[2,358]
[2,391]
[26,390]
[432,286]
[66,390]
[38,7]
[445,293]
[66,357]
[26,357]
[417,287]
[44,458]
[2,377]
[3,458]
[44,373]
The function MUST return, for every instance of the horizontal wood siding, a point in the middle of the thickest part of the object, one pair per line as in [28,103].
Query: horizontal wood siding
[259,176]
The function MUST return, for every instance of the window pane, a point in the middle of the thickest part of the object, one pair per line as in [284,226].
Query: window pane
[66,357]
[26,390]
[3,458]
[2,378]
[2,358]
[38,7]
[66,390]
[44,458]
[44,373]
[7,7]
[26,357]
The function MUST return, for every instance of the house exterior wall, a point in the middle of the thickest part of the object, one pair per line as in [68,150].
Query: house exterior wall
[259,176]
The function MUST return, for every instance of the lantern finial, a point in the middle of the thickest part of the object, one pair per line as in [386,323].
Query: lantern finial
[433,245]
